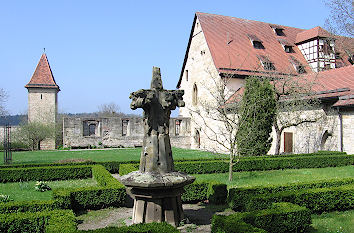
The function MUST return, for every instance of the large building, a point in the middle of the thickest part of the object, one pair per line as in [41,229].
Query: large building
[222,47]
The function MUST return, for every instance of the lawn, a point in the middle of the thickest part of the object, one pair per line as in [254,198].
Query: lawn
[25,191]
[333,222]
[122,154]
[278,177]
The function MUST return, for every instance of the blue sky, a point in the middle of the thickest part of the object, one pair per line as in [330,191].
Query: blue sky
[101,51]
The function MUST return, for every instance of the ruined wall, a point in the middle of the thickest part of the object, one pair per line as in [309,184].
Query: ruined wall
[82,132]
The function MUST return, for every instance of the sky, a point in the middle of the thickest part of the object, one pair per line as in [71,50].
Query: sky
[101,51]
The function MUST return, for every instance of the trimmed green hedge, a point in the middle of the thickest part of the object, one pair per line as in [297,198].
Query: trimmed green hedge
[137,228]
[111,193]
[45,173]
[238,198]
[215,192]
[255,164]
[281,217]
[45,221]
[318,200]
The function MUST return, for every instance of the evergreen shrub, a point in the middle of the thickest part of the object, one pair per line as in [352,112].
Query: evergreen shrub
[137,228]
[238,198]
[280,217]
[45,173]
[45,221]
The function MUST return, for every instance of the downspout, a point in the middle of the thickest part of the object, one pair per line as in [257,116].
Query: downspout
[340,129]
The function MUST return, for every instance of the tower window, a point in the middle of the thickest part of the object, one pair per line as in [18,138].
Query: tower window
[256,42]
[266,63]
[41,96]
[186,75]
[195,95]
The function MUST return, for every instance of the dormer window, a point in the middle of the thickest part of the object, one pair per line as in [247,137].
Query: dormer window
[279,31]
[288,48]
[297,65]
[266,63]
[256,42]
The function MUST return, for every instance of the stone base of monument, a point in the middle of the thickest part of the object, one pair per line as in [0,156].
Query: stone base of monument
[157,197]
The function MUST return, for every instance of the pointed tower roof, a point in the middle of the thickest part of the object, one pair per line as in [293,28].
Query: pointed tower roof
[43,76]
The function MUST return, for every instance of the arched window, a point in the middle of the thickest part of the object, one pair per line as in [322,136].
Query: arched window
[324,139]
[197,138]
[195,94]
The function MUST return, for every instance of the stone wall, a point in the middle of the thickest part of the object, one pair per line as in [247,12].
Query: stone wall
[83,132]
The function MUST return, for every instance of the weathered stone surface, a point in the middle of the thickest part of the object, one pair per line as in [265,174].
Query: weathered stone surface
[156,187]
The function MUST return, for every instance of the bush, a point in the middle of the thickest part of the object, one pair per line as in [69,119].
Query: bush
[239,197]
[42,186]
[45,221]
[124,169]
[28,206]
[111,193]
[215,192]
[280,217]
[317,200]
[137,228]
[4,198]
[45,173]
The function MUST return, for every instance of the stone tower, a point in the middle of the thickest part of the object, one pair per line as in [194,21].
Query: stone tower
[43,98]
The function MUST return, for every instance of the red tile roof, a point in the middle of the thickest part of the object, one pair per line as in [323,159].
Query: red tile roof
[43,76]
[243,56]
[312,33]
[229,41]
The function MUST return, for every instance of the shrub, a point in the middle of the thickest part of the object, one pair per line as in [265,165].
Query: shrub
[239,197]
[318,199]
[45,221]
[45,173]
[137,228]
[215,192]
[42,186]
[4,198]
[28,206]
[280,217]
[127,168]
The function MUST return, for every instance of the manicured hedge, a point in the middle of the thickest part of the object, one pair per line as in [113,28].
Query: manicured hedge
[281,217]
[255,164]
[110,193]
[317,200]
[239,197]
[137,228]
[28,206]
[45,221]
[215,192]
[45,173]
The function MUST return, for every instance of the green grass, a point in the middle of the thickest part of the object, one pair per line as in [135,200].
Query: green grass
[333,222]
[123,154]
[25,191]
[278,177]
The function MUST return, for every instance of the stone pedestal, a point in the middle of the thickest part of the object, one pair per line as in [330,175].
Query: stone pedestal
[157,197]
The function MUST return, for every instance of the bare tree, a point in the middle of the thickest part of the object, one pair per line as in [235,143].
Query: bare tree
[296,104]
[341,19]
[3,98]
[109,110]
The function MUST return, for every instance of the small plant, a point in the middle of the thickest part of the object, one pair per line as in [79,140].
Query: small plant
[5,198]
[42,186]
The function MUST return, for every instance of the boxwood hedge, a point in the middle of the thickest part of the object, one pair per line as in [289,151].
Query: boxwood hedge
[280,217]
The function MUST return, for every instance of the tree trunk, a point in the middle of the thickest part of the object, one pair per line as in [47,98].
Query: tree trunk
[231,164]
[277,138]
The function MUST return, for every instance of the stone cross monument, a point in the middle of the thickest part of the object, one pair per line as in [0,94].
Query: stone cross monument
[156,188]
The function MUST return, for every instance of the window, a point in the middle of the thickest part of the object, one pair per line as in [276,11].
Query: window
[278,30]
[297,65]
[286,45]
[197,138]
[256,42]
[186,73]
[178,127]
[90,128]
[195,95]
[266,63]
[125,127]
[41,96]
